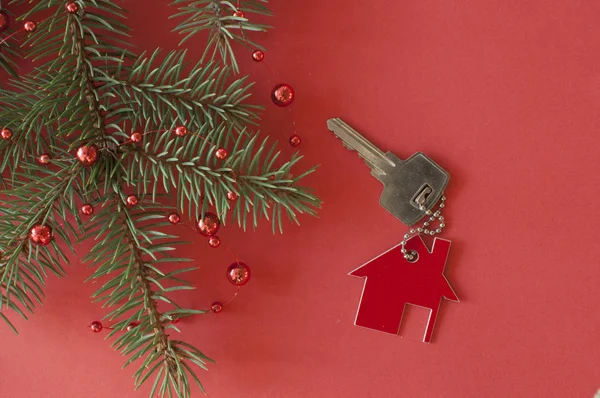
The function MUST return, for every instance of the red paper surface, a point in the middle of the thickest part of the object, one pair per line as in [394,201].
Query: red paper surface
[503,94]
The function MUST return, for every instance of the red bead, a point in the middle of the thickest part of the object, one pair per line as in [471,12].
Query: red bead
[282,95]
[238,274]
[132,200]
[4,21]
[216,307]
[96,327]
[258,55]
[221,153]
[29,26]
[6,133]
[295,140]
[239,14]
[132,325]
[44,158]
[88,155]
[87,209]
[209,224]
[41,235]
[181,131]
[232,196]
[174,218]
[135,137]
[72,7]
[214,242]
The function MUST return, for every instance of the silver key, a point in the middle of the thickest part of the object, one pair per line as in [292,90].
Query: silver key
[410,187]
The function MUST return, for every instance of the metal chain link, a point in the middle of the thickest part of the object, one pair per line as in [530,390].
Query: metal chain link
[425,227]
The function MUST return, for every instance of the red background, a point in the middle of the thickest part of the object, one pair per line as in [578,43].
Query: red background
[503,94]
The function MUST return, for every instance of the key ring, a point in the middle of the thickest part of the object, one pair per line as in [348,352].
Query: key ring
[424,228]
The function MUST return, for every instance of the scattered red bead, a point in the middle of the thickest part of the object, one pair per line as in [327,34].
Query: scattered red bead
[4,21]
[44,159]
[214,242]
[87,209]
[96,327]
[295,140]
[258,55]
[132,325]
[29,26]
[283,95]
[239,14]
[209,224]
[216,307]
[174,218]
[40,235]
[232,196]
[135,137]
[6,133]
[181,131]
[88,155]
[72,7]
[221,153]
[132,200]
[238,274]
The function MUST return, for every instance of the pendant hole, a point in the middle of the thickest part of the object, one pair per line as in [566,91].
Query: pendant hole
[415,256]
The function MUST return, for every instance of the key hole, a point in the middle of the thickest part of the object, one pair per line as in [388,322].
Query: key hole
[422,194]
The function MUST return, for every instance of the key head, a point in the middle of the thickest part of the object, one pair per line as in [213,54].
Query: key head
[418,180]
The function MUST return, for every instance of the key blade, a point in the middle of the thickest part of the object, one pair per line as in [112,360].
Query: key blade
[373,156]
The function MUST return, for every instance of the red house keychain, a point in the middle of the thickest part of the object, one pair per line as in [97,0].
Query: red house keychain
[409,273]
[393,281]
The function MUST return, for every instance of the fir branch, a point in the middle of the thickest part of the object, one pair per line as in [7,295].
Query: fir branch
[217,17]
[138,282]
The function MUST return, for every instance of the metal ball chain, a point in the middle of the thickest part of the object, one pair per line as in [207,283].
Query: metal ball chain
[425,228]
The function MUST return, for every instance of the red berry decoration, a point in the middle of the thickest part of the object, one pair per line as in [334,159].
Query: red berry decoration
[87,209]
[181,131]
[174,218]
[88,155]
[132,200]
[295,140]
[4,21]
[239,14]
[29,26]
[131,326]
[135,137]
[96,327]
[238,274]
[6,133]
[209,224]
[44,159]
[214,242]
[216,307]
[40,235]
[221,153]
[72,7]
[258,55]
[232,196]
[282,95]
